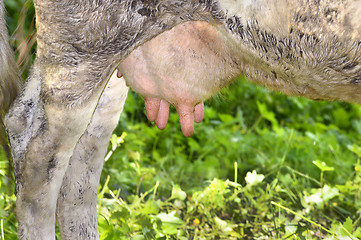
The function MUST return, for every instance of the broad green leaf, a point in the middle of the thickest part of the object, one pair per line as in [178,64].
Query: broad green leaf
[270,116]
[135,155]
[177,193]
[341,117]
[323,166]
[150,207]
[223,225]
[348,225]
[226,118]
[170,218]
[193,144]
[355,149]
[170,222]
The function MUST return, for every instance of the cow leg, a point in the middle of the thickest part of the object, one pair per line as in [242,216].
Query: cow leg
[77,201]
[43,131]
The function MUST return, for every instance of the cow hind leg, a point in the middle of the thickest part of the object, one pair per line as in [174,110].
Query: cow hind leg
[43,132]
[77,201]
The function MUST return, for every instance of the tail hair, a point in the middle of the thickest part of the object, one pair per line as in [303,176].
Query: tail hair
[10,81]
[10,84]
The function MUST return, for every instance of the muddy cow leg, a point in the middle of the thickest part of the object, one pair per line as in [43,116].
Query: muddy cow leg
[77,202]
[43,131]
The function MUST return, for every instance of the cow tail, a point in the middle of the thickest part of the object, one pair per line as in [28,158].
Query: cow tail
[10,81]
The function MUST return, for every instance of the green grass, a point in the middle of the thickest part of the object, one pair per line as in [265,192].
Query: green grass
[260,166]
